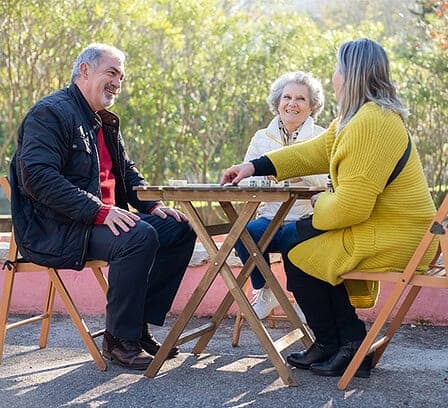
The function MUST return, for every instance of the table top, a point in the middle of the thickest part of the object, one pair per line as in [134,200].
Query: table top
[216,192]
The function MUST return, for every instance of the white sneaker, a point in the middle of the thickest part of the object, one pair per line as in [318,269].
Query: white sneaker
[299,312]
[263,302]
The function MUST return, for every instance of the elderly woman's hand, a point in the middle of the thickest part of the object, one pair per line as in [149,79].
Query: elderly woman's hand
[236,173]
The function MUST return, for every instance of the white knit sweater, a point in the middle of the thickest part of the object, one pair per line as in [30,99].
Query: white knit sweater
[266,140]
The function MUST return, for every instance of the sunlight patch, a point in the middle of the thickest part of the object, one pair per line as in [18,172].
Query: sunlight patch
[348,394]
[236,398]
[243,365]
[95,396]
[205,362]
[274,386]
[173,363]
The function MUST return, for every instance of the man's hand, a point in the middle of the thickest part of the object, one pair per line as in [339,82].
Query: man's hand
[118,217]
[164,212]
[236,173]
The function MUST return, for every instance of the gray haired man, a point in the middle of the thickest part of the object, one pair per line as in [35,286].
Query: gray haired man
[72,184]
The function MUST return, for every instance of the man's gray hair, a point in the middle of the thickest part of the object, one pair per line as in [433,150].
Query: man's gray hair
[301,78]
[92,54]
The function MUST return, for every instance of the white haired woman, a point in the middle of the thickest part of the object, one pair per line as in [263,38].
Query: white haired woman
[296,99]
[371,219]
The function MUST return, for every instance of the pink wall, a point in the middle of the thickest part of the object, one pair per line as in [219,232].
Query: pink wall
[30,288]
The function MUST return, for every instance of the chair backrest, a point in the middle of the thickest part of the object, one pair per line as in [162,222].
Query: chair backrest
[6,187]
[437,229]
[441,229]
[13,250]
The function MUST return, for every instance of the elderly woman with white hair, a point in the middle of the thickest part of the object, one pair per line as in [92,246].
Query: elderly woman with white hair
[296,99]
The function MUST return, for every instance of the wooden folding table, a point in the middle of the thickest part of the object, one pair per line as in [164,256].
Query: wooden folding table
[250,198]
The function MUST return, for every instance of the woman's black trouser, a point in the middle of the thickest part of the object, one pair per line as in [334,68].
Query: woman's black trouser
[327,308]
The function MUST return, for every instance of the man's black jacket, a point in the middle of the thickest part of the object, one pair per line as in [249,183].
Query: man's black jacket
[55,178]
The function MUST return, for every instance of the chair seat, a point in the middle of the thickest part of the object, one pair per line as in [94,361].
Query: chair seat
[434,278]
[96,264]
[25,266]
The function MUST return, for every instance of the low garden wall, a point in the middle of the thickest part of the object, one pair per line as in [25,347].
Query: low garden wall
[30,290]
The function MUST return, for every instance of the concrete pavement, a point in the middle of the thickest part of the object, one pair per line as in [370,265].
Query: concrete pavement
[412,373]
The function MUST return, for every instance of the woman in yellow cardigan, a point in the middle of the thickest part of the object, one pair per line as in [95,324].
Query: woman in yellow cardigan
[372,218]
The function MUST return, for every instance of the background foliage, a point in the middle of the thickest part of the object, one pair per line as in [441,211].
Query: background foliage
[199,71]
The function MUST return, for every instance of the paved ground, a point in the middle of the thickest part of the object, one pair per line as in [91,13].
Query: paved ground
[412,373]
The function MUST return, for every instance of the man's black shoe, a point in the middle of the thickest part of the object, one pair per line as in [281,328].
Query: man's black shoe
[315,354]
[336,365]
[152,346]
[127,353]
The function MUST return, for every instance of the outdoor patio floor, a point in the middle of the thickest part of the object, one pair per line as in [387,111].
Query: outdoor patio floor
[412,373]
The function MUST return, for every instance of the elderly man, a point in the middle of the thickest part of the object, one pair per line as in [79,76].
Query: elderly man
[72,182]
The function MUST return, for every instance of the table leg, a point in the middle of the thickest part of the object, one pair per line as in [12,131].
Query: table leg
[247,269]
[235,292]
[307,338]
[235,286]
[306,334]
[217,263]
[258,328]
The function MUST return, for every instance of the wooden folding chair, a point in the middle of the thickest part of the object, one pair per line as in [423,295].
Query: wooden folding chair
[407,285]
[14,264]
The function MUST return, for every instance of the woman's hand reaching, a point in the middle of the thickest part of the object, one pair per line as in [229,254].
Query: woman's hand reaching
[236,173]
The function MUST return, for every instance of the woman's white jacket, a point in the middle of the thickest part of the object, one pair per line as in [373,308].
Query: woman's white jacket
[266,140]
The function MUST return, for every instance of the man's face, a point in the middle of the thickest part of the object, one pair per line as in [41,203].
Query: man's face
[102,85]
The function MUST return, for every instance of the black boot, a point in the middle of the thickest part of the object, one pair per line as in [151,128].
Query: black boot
[127,353]
[336,365]
[315,354]
[152,346]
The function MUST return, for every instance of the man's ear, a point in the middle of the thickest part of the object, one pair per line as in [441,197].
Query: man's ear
[84,70]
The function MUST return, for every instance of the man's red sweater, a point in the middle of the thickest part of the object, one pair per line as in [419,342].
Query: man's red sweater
[107,179]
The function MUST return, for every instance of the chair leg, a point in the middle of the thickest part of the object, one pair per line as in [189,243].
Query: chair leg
[396,322]
[372,334]
[8,283]
[237,326]
[271,321]
[239,319]
[48,312]
[101,279]
[361,353]
[273,318]
[77,320]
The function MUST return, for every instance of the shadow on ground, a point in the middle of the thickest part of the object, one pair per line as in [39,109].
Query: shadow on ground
[412,373]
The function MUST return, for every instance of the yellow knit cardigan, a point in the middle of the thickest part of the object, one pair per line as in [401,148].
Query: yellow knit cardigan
[370,227]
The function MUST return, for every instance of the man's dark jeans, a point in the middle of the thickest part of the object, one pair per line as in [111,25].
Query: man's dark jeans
[146,266]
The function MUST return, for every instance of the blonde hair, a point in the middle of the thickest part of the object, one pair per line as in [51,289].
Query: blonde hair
[364,67]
